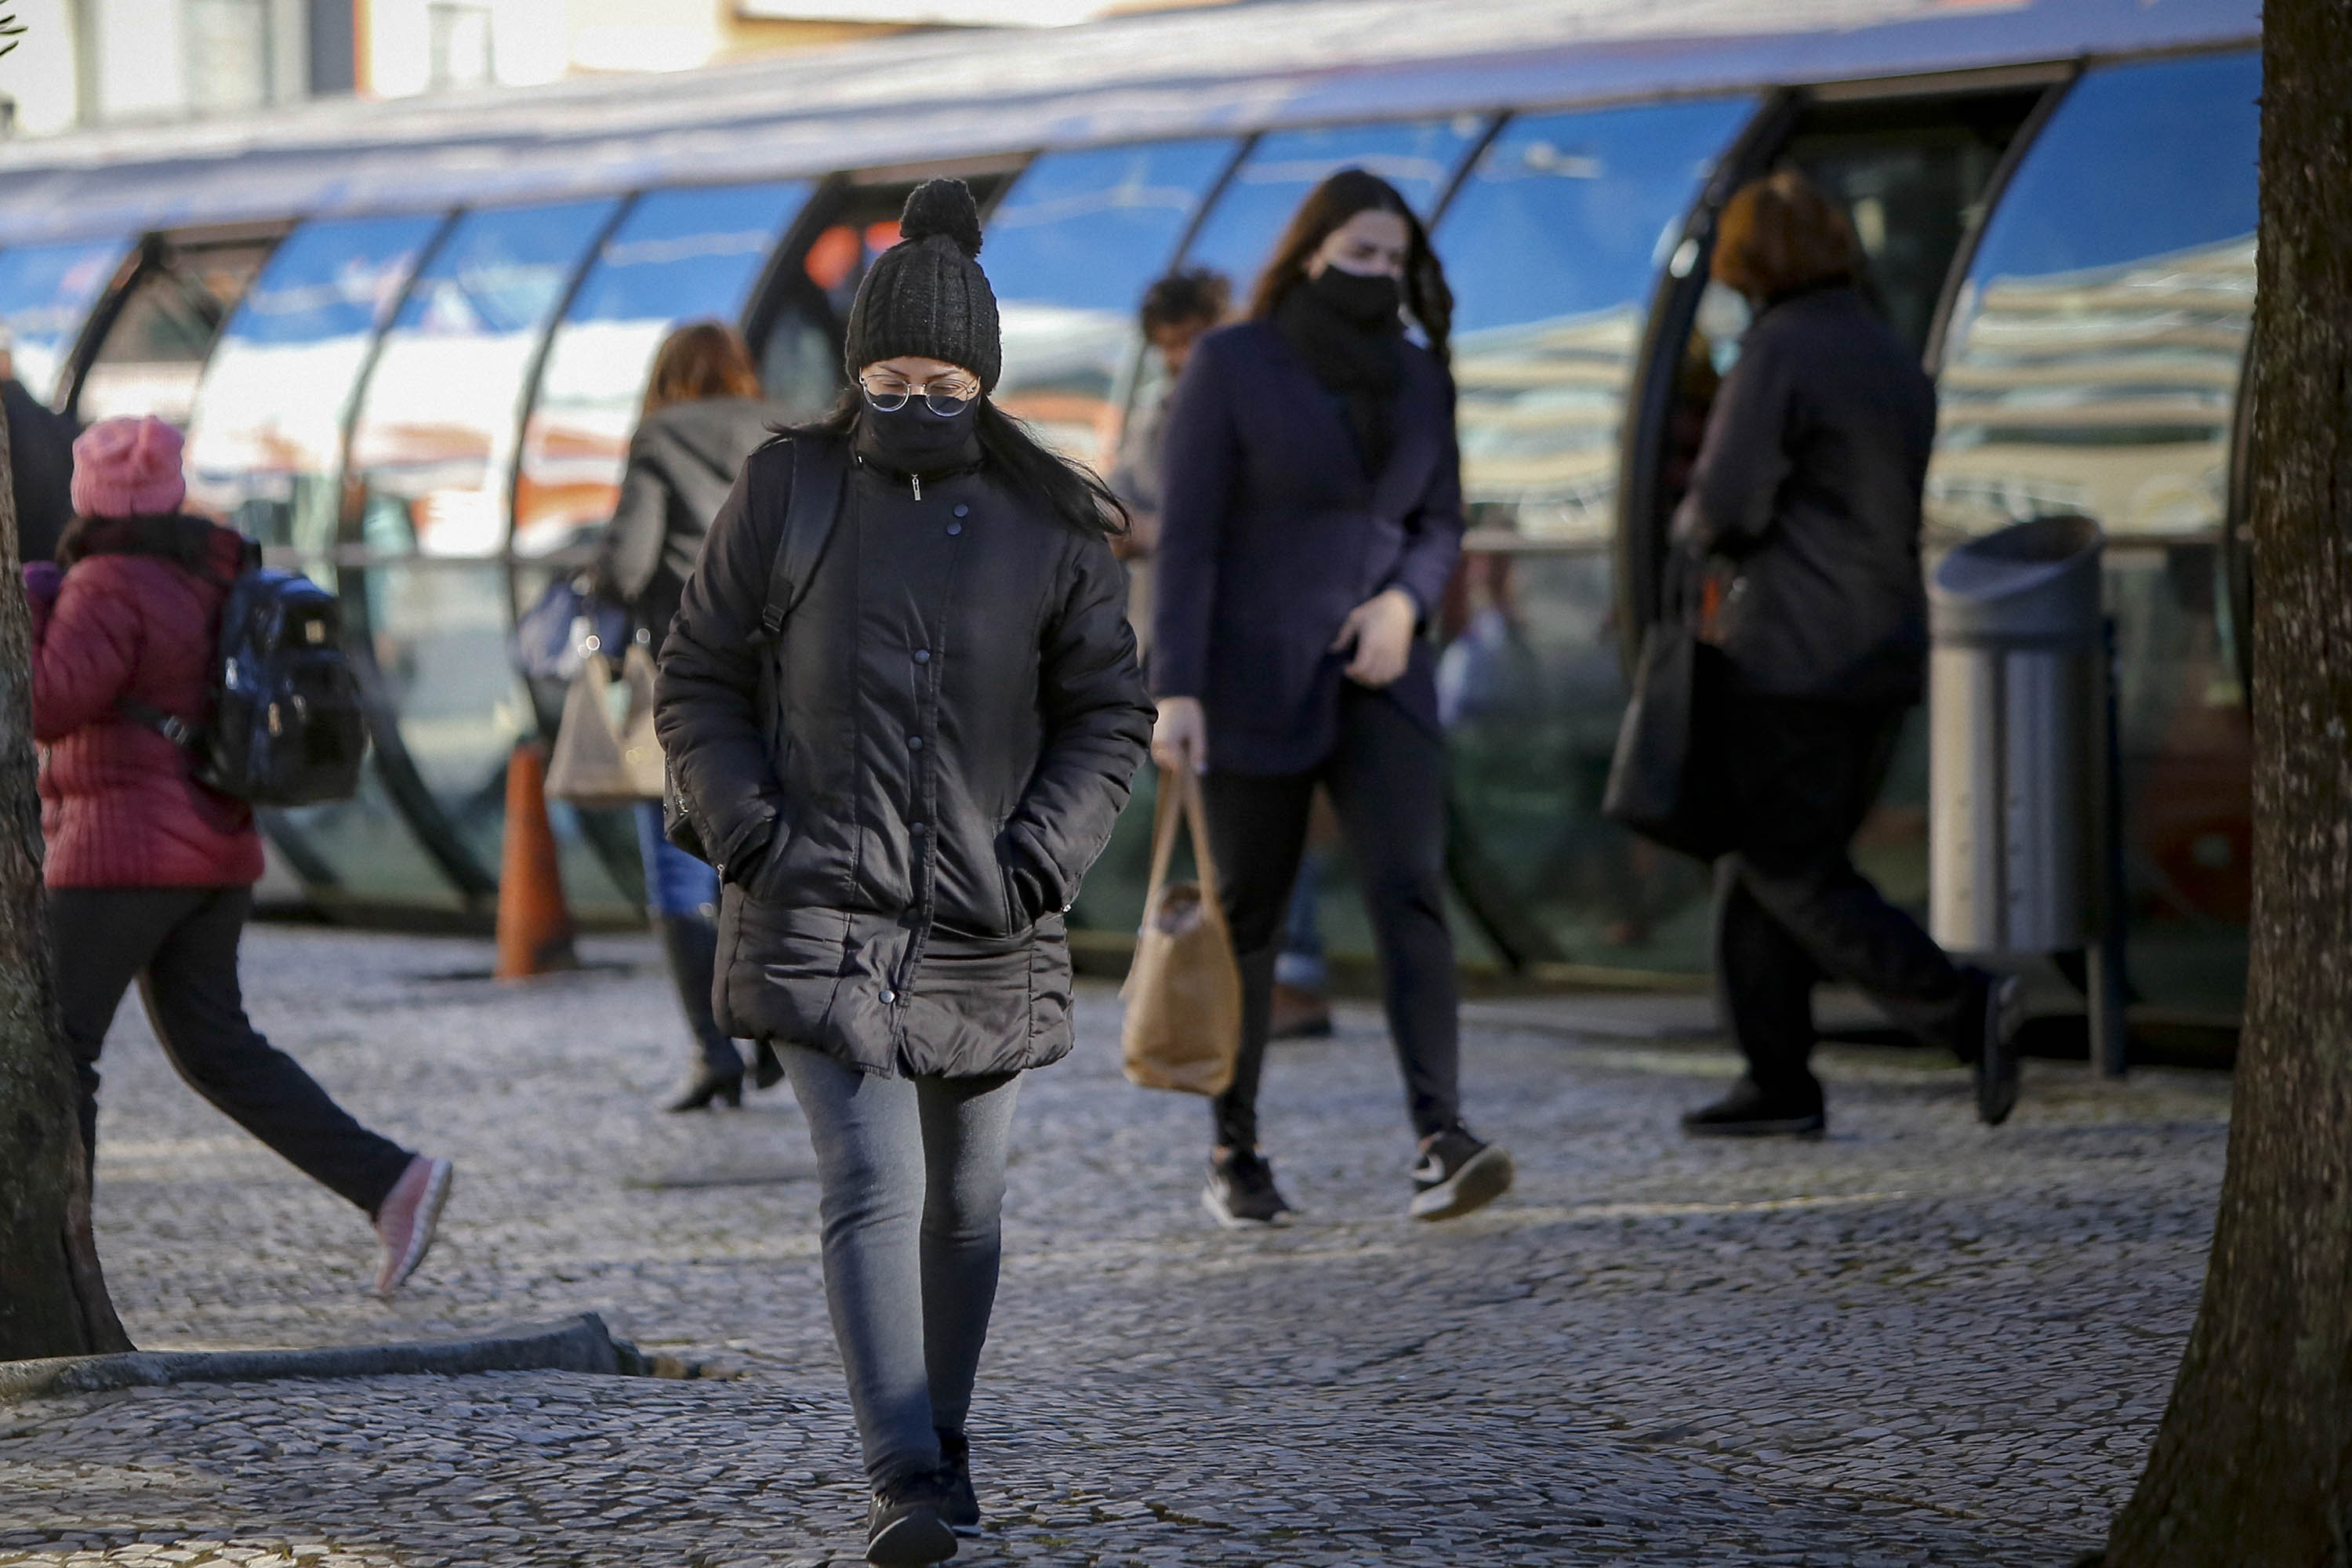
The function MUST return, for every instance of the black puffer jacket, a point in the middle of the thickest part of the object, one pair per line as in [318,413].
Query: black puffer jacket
[902,809]
[682,462]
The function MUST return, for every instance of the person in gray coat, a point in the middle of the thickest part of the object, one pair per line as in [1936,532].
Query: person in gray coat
[702,416]
[1805,498]
[901,782]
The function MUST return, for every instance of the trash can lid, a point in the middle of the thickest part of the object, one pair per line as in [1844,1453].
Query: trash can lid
[2032,582]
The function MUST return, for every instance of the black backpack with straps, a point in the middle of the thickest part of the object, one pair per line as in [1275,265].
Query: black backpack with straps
[820,473]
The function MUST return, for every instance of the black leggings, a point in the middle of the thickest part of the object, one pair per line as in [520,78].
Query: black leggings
[1386,776]
[180,944]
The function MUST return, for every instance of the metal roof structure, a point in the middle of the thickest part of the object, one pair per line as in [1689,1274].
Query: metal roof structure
[938,96]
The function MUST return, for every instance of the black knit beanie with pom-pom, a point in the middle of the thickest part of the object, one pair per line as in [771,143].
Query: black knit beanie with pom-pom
[927,295]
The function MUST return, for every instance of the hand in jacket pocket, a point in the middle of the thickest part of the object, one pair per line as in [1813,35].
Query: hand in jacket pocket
[1035,886]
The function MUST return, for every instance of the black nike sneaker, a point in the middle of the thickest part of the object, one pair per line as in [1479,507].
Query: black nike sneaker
[905,1526]
[1456,1174]
[1240,1191]
[961,1508]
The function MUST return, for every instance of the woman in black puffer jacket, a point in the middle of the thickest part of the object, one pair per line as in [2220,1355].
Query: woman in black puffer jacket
[901,789]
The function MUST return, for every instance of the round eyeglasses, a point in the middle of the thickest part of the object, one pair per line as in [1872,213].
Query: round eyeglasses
[944,398]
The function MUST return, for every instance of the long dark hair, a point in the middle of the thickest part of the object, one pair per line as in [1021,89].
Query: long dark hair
[1031,471]
[1332,204]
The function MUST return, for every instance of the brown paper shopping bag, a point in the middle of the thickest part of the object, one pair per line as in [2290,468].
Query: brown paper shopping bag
[602,759]
[1184,992]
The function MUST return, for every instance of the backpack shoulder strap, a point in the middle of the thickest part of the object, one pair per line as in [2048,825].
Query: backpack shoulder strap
[819,474]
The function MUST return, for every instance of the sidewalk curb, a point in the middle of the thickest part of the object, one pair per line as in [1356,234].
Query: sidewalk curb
[576,1344]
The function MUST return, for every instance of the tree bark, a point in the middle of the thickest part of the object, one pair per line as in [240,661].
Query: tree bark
[53,1298]
[2253,1461]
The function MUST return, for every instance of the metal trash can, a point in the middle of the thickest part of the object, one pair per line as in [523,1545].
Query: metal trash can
[2017,747]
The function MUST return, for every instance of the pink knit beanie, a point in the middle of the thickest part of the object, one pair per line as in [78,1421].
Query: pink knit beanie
[128,467]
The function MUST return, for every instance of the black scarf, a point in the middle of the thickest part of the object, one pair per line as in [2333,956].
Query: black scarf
[1346,328]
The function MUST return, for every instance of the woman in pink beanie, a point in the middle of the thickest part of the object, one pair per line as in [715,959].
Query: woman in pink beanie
[150,875]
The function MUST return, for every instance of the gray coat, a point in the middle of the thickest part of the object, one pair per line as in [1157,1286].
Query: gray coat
[902,793]
[1809,479]
[683,460]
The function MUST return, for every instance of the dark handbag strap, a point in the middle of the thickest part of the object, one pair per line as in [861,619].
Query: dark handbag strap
[819,474]
[170,726]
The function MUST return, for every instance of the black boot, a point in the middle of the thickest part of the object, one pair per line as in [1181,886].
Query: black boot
[692,945]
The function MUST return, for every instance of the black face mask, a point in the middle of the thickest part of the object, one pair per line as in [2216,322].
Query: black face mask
[914,440]
[1369,300]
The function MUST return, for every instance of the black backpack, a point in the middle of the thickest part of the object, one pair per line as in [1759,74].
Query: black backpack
[288,727]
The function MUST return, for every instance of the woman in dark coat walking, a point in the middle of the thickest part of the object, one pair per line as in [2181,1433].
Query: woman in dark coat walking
[1806,493]
[1311,516]
[149,874]
[703,417]
[901,781]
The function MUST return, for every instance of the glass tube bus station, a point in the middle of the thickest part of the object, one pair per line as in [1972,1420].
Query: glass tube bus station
[408,341]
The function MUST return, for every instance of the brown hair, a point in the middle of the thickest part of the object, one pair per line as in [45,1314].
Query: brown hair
[1332,204]
[1780,234]
[701,359]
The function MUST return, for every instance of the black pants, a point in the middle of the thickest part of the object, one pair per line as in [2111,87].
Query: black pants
[1790,907]
[1387,781]
[180,944]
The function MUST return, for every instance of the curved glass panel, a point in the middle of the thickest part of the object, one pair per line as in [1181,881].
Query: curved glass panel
[266,439]
[1553,245]
[434,440]
[1071,249]
[2091,363]
[679,255]
[2093,366]
[1418,157]
[154,349]
[45,295]
[1553,248]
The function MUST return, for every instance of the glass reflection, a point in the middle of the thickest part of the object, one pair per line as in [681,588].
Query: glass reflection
[45,295]
[1070,251]
[1418,157]
[2092,360]
[435,440]
[265,438]
[1553,246]
[2093,366]
[676,256]
[155,349]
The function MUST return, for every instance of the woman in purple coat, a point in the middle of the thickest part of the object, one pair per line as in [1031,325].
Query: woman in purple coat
[1310,516]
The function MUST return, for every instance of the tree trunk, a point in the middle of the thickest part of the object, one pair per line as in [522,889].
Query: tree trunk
[53,1300]
[2253,1461]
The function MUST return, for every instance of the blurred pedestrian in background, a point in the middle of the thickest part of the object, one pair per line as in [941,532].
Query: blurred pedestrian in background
[703,417]
[40,462]
[1177,310]
[1311,519]
[1807,492]
[149,874]
[902,776]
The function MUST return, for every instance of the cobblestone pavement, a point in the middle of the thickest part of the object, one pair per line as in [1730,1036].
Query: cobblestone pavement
[1917,1341]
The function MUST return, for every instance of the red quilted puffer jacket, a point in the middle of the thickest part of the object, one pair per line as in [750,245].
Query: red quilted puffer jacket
[119,806]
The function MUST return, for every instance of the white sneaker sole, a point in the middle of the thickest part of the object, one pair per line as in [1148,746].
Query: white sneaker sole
[1231,1221]
[1486,1177]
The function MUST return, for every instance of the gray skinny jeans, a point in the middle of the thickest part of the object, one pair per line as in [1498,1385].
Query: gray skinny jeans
[912,1178]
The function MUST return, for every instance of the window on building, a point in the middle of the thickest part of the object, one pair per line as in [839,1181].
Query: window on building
[460,43]
[227,54]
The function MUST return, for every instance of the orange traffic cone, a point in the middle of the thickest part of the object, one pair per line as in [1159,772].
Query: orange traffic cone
[534,923]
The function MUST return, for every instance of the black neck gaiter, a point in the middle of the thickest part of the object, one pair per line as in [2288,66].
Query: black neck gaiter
[1345,325]
[914,440]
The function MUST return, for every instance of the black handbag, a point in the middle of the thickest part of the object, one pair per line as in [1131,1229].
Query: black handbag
[1666,781]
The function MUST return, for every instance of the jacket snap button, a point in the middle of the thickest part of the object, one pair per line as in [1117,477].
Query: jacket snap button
[963,511]
[923,656]
[915,828]
[954,528]
[888,997]
[914,742]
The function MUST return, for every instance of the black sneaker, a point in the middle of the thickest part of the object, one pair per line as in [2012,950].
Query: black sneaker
[906,1527]
[1240,1191]
[961,1503]
[1456,1174]
[1747,1112]
[1996,1063]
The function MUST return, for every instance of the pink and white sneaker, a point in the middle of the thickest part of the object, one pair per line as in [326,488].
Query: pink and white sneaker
[405,1222]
